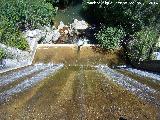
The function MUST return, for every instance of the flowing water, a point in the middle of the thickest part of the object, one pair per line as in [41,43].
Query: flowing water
[83,87]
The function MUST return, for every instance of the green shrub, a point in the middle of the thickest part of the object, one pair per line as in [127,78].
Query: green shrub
[109,38]
[132,17]
[2,54]
[142,45]
[25,14]
[11,36]
[14,39]
[60,3]
[19,15]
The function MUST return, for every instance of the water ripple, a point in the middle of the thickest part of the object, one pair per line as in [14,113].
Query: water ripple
[29,82]
[143,91]
[9,78]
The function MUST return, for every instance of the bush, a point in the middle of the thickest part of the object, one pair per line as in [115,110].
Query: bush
[19,15]
[109,38]
[60,3]
[2,54]
[14,39]
[142,45]
[28,13]
[25,14]
[11,36]
[132,17]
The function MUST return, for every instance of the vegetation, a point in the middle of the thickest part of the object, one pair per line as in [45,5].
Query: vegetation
[2,54]
[19,15]
[142,45]
[133,18]
[109,38]
[60,3]
[24,14]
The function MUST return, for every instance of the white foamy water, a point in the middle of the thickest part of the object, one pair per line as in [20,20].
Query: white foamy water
[143,91]
[142,73]
[28,83]
[9,78]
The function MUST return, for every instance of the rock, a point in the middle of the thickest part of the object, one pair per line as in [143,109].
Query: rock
[61,25]
[66,32]
[48,37]
[47,29]
[56,35]
[32,42]
[52,36]
[70,31]
[32,33]
[158,43]
[157,55]
[79,25]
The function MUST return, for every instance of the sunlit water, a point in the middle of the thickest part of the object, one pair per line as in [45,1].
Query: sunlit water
[81,88]
[143,91]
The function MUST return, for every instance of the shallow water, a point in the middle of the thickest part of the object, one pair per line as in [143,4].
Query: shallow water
[79,90]
[69,14]
[141,90]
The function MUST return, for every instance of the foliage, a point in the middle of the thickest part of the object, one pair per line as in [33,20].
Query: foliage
[14,39]
[19,15]
[60,3]
[132,17]
[11,36]
[2,54]
[143,45]
[109,38]
[27,13]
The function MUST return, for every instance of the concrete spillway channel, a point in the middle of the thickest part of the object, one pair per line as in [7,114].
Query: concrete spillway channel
[73,92]
[40,71]
[80,89]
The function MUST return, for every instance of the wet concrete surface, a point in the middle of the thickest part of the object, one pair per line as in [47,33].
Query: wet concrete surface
[76,91]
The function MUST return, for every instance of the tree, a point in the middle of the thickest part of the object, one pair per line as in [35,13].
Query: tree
[130,14]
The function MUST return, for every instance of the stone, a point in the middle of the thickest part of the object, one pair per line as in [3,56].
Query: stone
[52,36]
[32,33]
[48,37]
[61,25]
[157,55]
[56,35]
[66,32]
[79,25]
[47,29]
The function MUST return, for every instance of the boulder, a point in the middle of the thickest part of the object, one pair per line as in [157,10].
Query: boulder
[61,25]
[66,32]
[52,36]
[32,33]
[56,35]
[157,55]
[79,25]
[47,29]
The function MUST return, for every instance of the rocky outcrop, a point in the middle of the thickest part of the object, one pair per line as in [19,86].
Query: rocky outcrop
[79,25]
[62,33]
[17,58]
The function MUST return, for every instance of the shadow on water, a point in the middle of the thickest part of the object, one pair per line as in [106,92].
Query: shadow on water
[69,14]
